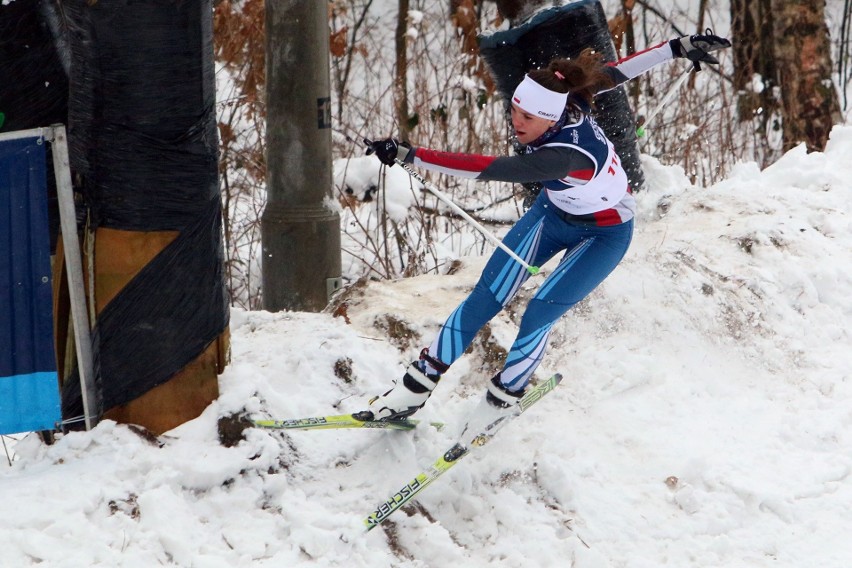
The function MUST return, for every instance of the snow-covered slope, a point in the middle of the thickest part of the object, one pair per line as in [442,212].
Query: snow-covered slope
[704,420]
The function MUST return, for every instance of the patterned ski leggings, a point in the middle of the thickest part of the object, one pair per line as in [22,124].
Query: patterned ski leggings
[591,254]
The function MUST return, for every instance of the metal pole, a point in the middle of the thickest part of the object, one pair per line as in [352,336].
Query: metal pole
[74,265]
[300,232]
[31,133]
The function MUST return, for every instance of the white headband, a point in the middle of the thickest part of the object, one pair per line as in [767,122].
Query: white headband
[538,101]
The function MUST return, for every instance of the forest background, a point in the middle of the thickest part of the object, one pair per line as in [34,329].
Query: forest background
[410,69]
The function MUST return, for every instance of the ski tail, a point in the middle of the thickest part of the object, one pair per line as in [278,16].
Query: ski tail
[336,422]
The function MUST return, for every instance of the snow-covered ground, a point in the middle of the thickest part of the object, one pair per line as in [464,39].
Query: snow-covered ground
[705,419]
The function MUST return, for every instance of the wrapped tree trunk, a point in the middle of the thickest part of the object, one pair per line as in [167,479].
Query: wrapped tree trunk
[144,153]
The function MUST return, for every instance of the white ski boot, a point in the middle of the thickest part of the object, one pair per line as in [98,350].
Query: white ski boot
[409,395]
[492,412]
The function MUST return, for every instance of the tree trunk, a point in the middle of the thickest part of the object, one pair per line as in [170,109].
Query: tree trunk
[465,16]
[400,91]
[752,22]
[810,106]
[633,87]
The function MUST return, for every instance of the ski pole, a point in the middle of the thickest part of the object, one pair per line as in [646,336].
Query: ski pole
[640,132]
[485,232]
[464,215]
[461,212]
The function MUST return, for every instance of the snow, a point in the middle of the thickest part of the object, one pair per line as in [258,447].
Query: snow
[704,419]
[361,177]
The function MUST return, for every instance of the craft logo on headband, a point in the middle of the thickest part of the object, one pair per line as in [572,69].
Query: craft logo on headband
[536,100]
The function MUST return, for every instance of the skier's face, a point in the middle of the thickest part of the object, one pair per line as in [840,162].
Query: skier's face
[528,127]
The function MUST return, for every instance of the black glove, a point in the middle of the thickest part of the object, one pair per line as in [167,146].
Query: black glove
[388,150]
[697,47]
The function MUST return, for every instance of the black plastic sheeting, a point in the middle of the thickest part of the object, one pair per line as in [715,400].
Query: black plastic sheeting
[564,32]
[162,320]
[33,78]
[144,152]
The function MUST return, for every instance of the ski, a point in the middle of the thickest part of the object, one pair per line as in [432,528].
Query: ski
[338,421]
[450,458]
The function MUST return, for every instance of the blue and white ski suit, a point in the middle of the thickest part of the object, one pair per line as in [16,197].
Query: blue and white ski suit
[584,211]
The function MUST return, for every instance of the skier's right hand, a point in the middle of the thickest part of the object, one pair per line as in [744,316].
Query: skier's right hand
[697,48]
[388,150]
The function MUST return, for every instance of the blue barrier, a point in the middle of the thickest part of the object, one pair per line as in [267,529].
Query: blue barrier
[29,389]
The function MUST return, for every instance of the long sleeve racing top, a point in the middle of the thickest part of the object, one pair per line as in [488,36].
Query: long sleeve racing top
[575,162]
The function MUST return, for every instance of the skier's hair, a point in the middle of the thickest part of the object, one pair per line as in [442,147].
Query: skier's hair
[583,77]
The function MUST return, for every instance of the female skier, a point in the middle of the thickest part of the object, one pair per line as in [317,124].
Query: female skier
[585,208]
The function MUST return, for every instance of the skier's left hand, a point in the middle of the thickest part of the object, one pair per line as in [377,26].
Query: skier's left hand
[697,48]
[388,150]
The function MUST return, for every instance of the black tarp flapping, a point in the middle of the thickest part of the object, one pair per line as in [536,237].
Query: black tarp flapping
[564,32]
[144,153]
